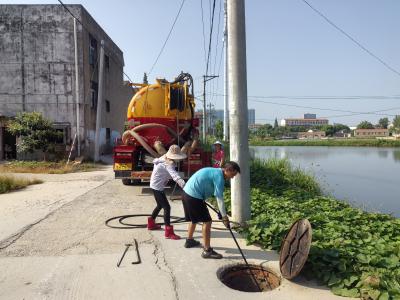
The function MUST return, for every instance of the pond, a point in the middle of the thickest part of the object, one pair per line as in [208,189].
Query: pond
[366,177]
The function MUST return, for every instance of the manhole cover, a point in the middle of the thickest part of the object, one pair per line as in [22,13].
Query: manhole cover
[295,248]
[238,277]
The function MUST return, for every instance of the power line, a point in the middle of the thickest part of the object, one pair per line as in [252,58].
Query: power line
[317,108]
[352,39]
[204,37]
[166,40]
[87,30]
[211,31]
[326,97]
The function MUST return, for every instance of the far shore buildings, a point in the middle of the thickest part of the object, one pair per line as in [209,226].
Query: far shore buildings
[38,73]
[311,135]
[368,133]
[308,120]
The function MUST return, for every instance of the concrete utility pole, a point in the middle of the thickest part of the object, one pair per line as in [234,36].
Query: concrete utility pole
[238,110]
[205,79]
[99,105]
[78,124]
[210,118]
[226,103]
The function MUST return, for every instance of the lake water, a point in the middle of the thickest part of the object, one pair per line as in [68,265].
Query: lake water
[366,177]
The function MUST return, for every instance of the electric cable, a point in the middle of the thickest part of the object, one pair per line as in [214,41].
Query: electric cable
[87,30]
[168,36]
[210,40]
[352,39]
[204,37]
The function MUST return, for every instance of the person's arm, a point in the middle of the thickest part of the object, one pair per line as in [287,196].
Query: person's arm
[222,158]
[219,185]
[175,175]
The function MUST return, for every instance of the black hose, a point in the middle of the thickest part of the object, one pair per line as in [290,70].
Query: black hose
[133,226]
[126,225]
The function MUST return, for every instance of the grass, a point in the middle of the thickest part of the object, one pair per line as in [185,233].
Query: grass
[329,142]
[10,183]
[354,253]
[46,167]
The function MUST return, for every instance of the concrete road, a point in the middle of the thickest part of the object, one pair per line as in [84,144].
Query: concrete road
[54,245]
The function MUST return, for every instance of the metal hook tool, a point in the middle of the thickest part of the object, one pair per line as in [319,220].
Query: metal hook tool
[123,255]
[138,261]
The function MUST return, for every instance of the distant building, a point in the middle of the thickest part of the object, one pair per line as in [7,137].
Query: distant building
[218,114]
[308,120]
[311,135]
[366,133]
[37,66]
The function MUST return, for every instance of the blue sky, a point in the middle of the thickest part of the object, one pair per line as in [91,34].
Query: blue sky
[292,52]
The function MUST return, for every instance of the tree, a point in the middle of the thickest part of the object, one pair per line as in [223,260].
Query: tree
[276,123]
[383,123]
[219,129]
[34,133]
[329,129]
[365,125]
[396,123]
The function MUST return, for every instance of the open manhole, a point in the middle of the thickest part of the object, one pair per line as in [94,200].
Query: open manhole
[239,277]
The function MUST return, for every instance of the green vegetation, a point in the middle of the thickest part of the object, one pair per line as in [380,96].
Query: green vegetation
[328,142]
[46,167]
[34,132]
[9,183]
[354,253]
[365,125]
[268,131]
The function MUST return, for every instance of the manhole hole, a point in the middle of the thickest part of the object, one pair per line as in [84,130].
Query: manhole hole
[238,277]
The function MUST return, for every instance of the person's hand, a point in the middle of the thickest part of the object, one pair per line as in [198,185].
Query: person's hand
[225,220]
[219,216]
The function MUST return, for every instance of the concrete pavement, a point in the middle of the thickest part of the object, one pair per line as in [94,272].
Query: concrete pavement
[71,254]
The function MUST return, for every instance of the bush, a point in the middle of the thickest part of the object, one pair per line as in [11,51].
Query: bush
[9,183]
[356,254]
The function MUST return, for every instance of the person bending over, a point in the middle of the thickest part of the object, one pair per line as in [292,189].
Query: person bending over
[203,184]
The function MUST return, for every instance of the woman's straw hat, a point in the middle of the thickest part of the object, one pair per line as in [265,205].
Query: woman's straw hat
[174,152]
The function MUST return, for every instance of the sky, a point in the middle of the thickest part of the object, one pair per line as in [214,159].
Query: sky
[297,62]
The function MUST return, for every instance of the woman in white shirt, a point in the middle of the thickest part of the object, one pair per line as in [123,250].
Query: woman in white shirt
[163,171]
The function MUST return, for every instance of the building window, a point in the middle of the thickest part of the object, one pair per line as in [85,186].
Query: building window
[107,62]
[108,136]
[92,50]
[108,109]
[93,94]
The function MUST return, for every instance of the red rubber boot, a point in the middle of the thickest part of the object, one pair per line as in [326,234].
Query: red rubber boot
[169,233]
[151,224]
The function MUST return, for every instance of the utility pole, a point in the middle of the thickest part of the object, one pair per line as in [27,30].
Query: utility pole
[99,105]
[78,123]
[205,79]
[210,117]
[238,110]
[226,103]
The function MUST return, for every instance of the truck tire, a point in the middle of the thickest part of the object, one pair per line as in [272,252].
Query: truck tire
[127,181]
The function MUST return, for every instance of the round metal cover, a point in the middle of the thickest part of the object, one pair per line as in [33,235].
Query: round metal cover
[295,248]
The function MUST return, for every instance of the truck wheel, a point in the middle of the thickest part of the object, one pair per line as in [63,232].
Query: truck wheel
[126,181]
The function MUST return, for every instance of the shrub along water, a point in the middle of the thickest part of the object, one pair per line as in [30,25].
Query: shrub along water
[353,252]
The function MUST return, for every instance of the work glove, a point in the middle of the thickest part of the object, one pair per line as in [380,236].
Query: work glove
[219,216]
[225,220]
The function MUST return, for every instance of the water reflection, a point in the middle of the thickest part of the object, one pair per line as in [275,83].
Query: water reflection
[367,177]
[396,155]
